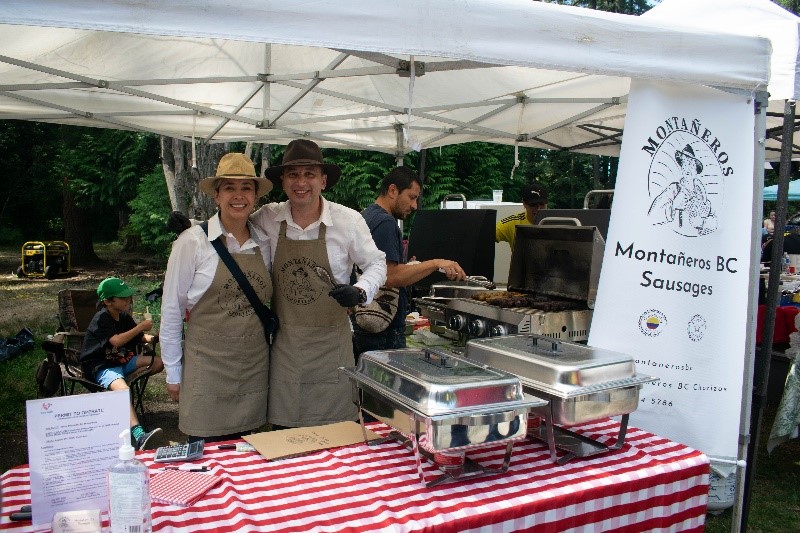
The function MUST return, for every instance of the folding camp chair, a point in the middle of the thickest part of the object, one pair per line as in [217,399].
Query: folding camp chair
[76,307]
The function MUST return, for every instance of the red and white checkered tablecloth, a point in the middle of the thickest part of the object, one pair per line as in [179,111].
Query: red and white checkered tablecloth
[651,484]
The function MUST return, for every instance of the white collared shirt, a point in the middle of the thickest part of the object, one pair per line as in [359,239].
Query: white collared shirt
[347,239]
[190,271]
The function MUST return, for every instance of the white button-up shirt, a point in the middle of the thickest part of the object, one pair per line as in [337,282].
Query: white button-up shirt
[190,271]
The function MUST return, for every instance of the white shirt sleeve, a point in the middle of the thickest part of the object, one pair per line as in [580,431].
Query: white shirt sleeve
[177,281]
[369,258]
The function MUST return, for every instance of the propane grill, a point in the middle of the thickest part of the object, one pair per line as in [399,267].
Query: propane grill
[552,286]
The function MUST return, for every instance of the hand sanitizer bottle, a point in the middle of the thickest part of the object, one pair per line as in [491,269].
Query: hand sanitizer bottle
[128,492]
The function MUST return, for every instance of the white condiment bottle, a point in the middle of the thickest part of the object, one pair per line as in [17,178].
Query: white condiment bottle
[128,492]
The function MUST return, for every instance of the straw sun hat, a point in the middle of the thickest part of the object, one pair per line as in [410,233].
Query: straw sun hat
[235,166]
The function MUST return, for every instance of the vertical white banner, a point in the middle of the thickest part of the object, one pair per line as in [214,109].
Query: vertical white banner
[674,285]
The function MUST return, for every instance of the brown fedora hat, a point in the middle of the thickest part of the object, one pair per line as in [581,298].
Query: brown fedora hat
[302,152]
[235,166]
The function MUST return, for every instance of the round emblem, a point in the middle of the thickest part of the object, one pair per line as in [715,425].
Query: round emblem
[298,282]
[697,328]
[652,322]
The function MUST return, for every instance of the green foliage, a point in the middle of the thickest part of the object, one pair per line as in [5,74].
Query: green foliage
[149,211]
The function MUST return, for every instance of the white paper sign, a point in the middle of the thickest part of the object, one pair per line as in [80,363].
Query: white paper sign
[72,441]
[673,290]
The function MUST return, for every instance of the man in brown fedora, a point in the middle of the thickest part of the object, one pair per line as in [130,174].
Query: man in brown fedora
[315,244]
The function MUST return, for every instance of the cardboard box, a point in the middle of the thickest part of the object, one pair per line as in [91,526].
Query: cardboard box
[299,441]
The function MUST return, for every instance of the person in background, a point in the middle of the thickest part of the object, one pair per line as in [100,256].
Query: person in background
[220,375]
[769,223]
[534,198]
[315,245]
[397,199]
[109,351]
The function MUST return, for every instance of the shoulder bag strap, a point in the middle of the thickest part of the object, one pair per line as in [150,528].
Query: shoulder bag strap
[268,317]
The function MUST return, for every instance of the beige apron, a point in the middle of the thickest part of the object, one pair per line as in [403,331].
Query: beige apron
[313,341]
[225,379]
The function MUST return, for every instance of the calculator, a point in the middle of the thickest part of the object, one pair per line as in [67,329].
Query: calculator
[179,452]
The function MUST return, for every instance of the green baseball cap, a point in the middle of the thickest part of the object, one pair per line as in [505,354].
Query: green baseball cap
[114,288]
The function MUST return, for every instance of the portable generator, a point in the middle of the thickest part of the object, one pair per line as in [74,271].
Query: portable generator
[44,259]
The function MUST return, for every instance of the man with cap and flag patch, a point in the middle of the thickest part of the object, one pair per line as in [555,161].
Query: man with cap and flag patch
[534,198]
[315,244]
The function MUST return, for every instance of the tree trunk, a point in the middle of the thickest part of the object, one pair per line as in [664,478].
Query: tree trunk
[77,230]
[183,180]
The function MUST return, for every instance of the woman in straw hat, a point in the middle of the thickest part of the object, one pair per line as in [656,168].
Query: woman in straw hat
[220,375]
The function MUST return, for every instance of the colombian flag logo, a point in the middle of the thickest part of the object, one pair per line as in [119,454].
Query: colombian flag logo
[652,322]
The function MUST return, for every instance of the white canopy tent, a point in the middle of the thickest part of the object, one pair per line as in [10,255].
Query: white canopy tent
[385,76]
[341,73]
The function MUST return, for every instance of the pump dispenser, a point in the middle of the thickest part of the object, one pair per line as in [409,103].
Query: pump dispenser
[128,491]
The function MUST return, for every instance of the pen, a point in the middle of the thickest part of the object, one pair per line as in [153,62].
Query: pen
[185,469]
[226,447]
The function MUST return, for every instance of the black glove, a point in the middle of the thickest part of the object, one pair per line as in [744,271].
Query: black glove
[177,222]
[346,295]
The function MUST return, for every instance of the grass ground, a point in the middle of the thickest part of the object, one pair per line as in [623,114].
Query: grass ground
[31,303]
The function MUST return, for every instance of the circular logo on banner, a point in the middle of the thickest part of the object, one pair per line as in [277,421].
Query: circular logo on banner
[696,328]
[652,322]
[685,184]
[298,281]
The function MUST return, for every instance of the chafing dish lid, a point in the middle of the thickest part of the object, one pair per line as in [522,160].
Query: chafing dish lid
[436,382]
[554,366]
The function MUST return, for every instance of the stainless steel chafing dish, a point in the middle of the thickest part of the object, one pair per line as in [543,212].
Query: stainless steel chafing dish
[581,383]
[441,405]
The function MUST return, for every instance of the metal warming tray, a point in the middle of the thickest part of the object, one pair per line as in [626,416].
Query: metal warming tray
[581,383]
[442,405]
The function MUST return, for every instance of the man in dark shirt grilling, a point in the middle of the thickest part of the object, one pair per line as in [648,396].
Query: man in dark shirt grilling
[397,199]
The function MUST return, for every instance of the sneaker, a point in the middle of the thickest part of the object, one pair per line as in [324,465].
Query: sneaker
[148,440]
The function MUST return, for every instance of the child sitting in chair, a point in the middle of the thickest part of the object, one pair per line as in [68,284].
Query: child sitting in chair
[109,352]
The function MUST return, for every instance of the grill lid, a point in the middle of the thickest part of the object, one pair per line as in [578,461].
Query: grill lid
[557,261]
[555,367]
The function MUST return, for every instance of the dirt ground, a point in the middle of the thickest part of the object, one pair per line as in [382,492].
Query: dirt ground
[27,301]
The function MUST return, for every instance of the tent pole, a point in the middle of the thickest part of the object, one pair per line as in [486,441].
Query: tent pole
[759,395]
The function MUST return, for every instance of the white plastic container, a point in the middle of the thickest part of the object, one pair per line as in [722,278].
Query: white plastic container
[128,492]
[721,490]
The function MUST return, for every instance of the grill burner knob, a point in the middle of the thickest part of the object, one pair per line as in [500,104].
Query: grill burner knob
[498,330]
[477,328]
[457,322]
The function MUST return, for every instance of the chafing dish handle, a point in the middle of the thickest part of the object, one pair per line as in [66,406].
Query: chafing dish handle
[555,344]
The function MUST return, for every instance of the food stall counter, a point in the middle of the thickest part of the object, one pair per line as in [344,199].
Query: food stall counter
[651,483]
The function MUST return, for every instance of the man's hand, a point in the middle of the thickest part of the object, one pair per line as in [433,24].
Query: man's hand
[451,269]
[177,222]
[346,295]
[174,391]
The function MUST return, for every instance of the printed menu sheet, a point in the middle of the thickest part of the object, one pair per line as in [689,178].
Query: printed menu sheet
[72,441]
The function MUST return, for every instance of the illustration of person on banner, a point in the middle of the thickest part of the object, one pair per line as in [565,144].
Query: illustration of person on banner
[684,203]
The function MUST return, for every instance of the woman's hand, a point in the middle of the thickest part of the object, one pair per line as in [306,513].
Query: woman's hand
[174,391]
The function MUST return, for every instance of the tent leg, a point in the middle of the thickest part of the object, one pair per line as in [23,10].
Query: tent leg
[759,394]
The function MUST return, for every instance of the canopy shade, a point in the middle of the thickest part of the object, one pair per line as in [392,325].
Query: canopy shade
[761,18]
[771,192]
[386,76]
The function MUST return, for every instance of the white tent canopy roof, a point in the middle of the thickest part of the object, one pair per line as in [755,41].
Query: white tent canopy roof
[539,75]
[762,18]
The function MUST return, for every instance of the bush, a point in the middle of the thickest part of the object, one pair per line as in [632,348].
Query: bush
[150,210]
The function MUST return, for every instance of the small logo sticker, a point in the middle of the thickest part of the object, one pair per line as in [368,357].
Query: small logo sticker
[652,322]
[697,328]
